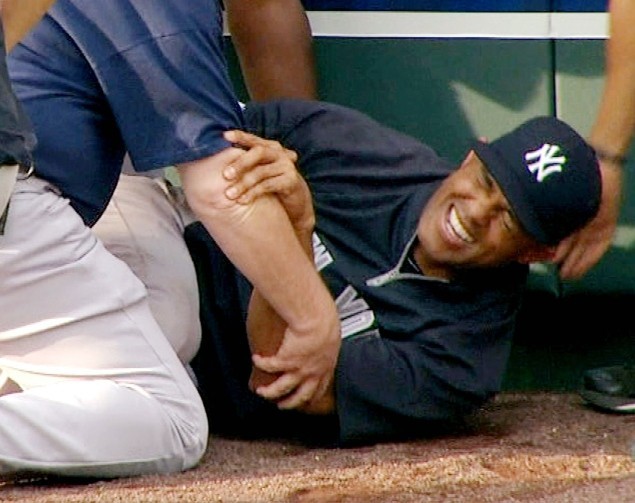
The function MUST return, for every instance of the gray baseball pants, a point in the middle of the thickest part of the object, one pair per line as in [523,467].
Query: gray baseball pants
[89,384]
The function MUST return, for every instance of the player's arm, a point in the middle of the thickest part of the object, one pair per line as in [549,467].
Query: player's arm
[19,16]
[611,135]
[259,239]
[275,47]
[268,168]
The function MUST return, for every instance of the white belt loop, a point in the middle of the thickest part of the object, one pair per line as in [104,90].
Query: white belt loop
[8,176]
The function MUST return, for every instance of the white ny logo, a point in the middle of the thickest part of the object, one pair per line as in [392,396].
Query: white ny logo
[546,161]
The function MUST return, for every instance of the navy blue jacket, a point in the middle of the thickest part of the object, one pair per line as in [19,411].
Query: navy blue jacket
[415,349]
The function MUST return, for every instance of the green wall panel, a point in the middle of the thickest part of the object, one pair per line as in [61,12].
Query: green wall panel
[445,92]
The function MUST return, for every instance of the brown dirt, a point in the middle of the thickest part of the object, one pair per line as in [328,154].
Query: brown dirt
[537,447]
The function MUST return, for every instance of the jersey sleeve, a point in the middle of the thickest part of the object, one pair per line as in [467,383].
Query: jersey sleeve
[99,79]
[162,69]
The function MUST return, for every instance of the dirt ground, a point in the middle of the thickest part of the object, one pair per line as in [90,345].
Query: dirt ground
[537,447]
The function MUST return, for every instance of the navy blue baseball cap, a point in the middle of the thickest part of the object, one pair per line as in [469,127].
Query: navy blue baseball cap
[549,175]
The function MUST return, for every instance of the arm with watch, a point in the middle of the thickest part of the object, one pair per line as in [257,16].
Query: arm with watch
[611,137]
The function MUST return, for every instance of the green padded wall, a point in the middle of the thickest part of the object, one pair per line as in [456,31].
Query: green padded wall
[445,92]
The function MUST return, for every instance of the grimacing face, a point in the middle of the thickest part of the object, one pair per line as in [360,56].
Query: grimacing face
[469,223]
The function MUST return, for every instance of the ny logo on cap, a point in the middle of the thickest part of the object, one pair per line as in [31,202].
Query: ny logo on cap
[546,161]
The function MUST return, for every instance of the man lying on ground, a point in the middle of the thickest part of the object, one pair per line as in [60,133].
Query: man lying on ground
[426,262]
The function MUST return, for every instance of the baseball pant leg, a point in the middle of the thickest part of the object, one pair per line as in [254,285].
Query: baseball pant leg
[89,384]
[142,226]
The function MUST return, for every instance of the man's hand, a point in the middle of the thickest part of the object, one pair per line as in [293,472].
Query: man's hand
[303,364]
[306,365]
[268,168]
[582,250]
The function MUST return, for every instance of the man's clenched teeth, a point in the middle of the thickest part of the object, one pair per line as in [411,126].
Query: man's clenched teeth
[457,226]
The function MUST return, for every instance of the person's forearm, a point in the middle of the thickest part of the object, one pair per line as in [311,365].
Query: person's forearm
[275,48]
[265,327]
[259,239]
[613,129]
[19,16]
[265,331]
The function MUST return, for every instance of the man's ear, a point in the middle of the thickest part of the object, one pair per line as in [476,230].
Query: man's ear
[469,159]
[537,253]
[470,155]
